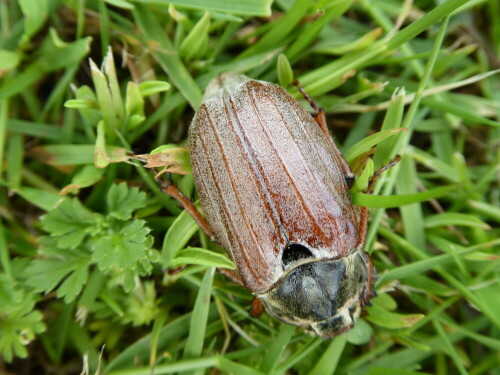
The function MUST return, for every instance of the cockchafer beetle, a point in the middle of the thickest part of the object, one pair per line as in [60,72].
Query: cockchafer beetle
[275,191]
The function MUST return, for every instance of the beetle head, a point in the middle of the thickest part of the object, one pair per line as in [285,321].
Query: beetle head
[323,296]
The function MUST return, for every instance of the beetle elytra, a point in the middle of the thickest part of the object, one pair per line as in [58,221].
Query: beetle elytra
[275,191]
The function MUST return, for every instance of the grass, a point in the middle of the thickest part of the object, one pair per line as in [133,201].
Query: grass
[88,240]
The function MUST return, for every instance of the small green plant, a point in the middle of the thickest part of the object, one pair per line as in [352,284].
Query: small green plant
[80,242]
[19,321]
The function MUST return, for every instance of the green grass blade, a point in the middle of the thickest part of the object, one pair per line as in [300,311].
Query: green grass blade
[4,253]
[280,29]
[455,218]
[450,348]
[367,143]
[166,56]
[412,214]
[46,200]
[177,236]
[275,351]
[390,201]
[328,362]
[244,7]
[198,323]
[171,368]
[299,355]
[335,9]
[4,118]
[196,255]
[230,367]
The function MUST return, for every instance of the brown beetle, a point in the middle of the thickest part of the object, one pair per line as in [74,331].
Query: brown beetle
[275,191]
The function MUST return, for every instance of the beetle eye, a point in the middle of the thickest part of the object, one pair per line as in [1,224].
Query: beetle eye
[295,252]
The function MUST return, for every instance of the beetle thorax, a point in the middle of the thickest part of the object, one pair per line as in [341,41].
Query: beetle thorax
[324,296]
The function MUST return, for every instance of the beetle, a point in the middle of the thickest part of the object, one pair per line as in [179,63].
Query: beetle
[274,188]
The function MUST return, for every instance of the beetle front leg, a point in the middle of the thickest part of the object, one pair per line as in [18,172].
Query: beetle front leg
[171,189]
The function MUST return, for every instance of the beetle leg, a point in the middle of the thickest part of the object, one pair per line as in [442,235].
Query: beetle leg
[257,307]
[171,189]
[306,96]
[320,118]
[372,277]
[377,174]
[363,211]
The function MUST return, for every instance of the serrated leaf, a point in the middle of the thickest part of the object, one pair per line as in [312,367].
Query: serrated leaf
[71,220]
[122,250]
[74,283]
[19,324]
[142,304]
[8,294]
[196,255]
[71,240]
[122,201]
[59,264]
[127,279]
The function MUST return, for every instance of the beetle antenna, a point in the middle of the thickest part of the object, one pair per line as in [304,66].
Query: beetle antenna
[171,189]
